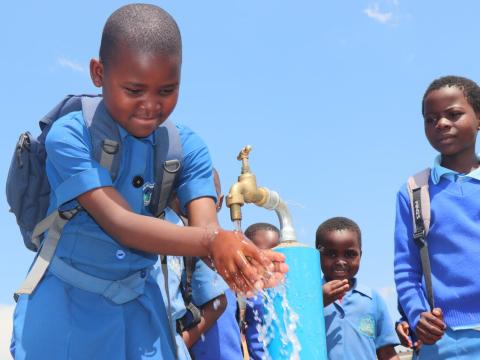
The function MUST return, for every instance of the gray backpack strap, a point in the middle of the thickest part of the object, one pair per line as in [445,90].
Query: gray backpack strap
[168,162]
[54,223]
[417,186]
[104,133]
[163,261]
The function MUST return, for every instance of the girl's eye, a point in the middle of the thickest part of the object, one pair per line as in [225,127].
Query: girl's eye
[429,120]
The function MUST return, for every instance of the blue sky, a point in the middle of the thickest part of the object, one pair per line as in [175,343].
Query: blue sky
[327,92]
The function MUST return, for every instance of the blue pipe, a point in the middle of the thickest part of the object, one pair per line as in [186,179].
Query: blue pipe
[304,296]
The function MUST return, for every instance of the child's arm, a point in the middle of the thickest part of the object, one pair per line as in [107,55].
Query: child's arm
[334,290]
[228,250]
[211,311]
[407,264]
[431,327]
[387,353]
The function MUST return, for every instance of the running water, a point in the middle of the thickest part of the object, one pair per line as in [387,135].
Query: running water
[281,325]
[237,224]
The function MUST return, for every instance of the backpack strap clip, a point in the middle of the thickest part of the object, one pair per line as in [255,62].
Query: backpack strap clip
[69,214]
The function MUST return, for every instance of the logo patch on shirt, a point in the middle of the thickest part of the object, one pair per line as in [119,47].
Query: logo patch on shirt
[367,325]
[147,193]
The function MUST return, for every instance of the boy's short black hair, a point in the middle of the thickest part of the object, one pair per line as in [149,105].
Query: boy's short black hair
[470,89]
[252,229]
[141,27]
[336,224]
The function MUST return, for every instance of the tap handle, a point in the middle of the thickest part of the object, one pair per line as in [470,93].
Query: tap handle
[243,156]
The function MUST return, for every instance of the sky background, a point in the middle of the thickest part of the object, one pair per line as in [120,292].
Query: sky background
[328,93]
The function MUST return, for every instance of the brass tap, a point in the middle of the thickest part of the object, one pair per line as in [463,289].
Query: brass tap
[245,190]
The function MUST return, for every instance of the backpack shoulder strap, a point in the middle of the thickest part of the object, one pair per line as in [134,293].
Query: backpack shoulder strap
[168,162]
[104,133]
[417,186]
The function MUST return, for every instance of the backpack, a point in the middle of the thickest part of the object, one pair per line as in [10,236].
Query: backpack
[28,190]
[417,186]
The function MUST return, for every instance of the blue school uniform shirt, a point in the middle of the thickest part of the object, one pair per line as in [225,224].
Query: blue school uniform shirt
[358,325]
[222,340]
[453,247]
[206,285]
[61,321]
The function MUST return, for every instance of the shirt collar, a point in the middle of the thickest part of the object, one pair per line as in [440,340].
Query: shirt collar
[438,171]
[364,290]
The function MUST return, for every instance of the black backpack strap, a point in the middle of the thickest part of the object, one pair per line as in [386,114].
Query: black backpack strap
[417,186]
[193,315]
[168,162]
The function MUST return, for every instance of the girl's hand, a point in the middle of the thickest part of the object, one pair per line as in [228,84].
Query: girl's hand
[334,290]
[430,327]
[244,267]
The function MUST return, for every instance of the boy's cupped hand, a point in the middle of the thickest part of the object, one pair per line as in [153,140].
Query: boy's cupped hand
[430,327]
[334,290]
[245,267]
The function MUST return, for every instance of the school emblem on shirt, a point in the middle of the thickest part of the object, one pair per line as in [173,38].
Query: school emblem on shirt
[147,193]
[367,325]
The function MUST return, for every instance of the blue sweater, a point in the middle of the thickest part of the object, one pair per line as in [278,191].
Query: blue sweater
[454,247]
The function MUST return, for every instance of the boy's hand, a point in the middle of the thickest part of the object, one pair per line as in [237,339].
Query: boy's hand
[334,290]
[430,327]
[244,267]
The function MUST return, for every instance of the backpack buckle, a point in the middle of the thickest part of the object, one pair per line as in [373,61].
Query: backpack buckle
[419,237]
[171,166]
[23,143]
[110,147]
[69,214]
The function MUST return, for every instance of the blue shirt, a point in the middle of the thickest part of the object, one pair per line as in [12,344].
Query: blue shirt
[222,340]
[358,325]
[82,324]
[453,247]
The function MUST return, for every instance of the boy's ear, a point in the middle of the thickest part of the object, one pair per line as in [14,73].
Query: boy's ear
[96,72]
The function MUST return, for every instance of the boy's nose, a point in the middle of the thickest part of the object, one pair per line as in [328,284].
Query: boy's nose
[151,107]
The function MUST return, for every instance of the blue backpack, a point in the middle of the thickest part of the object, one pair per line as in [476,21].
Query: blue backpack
[28,189]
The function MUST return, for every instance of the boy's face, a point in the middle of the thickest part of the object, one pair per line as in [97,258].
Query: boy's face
[140,90]
[265,239]
[451,124]
[340,256]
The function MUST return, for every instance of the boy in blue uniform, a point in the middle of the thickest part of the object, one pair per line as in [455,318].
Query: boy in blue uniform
[115,238]
[357,322]
[265,236]
[451,112]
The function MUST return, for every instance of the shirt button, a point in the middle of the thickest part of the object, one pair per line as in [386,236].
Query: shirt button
[137,181]
[120,254]
[143,274]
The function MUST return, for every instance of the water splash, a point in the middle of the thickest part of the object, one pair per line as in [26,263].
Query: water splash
[273,325]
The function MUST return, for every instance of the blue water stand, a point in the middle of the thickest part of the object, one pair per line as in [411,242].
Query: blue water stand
[305,297]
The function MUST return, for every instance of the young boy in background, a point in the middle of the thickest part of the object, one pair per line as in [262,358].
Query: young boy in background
[265,236]
[357,322]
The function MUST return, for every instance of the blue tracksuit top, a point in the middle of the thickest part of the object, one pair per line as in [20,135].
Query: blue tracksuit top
[454,248]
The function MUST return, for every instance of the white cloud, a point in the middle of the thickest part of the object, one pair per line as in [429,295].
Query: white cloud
[70,64]
[373,11]
[6,312]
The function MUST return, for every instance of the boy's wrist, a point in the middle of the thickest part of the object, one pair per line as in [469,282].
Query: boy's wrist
[208,239]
